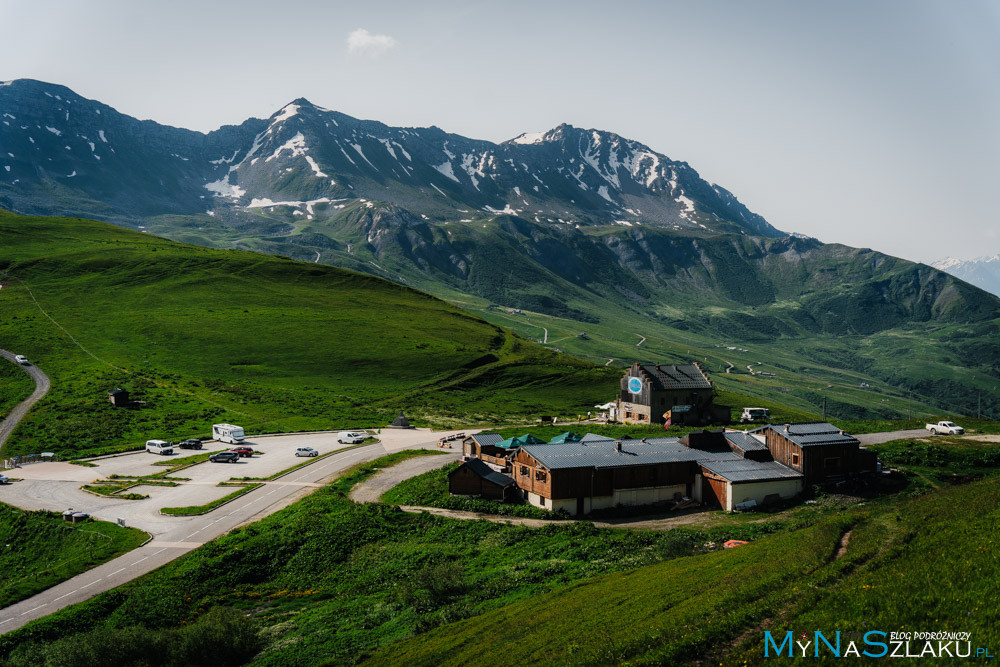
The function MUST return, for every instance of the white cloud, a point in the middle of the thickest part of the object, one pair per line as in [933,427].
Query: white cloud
[361,42]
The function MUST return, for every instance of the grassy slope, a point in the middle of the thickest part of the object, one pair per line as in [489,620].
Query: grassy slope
[715,607]
[43,550]
[15,386]
[696,310]
[207,335]
[330,579]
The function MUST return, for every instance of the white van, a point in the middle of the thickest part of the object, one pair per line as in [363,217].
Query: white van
[234,435]
[159,447]
[351,437]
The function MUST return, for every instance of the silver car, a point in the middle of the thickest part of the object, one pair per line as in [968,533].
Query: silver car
[306,451]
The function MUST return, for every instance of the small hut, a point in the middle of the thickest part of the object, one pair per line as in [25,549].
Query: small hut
[475,478]
[119,397]
[401,422]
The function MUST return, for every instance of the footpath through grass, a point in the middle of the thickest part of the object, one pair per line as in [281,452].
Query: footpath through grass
[39,550]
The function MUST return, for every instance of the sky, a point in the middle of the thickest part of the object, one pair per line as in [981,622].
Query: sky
[869,123]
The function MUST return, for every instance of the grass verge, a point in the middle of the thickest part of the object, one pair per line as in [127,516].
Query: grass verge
[194,510]
[39,550]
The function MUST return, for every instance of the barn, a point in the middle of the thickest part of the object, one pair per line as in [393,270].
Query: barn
[476,478]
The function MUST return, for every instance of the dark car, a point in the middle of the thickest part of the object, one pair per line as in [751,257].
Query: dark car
[190,443]
[224,457]
[243,451]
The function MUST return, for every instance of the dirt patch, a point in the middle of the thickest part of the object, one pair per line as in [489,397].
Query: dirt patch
[984,438]
[842,545]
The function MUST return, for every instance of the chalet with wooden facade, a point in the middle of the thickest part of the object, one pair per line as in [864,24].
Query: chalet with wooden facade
[820,451]
[476,478]
[649,392]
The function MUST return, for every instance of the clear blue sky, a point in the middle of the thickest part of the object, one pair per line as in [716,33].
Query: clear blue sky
[875,123]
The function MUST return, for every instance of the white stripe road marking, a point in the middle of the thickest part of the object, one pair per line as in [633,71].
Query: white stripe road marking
[160,551]
[35,609]
[7,621]
[85,585]
[117,571]
[63,596]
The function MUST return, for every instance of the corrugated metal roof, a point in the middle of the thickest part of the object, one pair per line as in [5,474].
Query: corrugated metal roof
[745,441]
[745,470]
[483,439]
[677,376]
[820,433]
[604,454]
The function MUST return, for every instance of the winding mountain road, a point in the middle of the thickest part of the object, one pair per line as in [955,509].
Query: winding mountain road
[42,385]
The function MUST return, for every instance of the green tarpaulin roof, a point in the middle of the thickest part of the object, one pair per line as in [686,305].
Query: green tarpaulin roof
[568,436]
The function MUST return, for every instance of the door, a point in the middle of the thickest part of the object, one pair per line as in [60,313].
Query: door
[579,506]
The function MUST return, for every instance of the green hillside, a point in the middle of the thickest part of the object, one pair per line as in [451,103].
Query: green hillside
[714,608]
[199,335]
[822,318]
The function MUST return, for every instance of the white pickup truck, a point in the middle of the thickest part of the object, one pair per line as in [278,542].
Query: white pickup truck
[951,428]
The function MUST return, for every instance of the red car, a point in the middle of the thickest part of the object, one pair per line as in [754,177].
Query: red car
[243,451]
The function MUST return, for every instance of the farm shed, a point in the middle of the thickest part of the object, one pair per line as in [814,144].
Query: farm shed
[119,397]
[476,478]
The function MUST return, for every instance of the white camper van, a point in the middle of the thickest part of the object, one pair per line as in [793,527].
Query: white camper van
[234,435]
[351,437]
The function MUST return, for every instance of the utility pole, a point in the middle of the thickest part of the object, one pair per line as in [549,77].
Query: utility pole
[824,408]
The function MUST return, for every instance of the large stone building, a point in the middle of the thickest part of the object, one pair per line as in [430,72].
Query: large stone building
[649,392]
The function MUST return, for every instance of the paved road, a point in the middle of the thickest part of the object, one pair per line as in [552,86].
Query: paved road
[175,536]
[42,385]
[887,436]
[372,488]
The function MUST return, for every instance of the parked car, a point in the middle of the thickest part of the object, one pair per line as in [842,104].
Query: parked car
[306,451]
[160,447]
[753,414]
[243,451]
[190,443]
[951,428]
[4,479]
[224,457]
[351,437]
[21,359]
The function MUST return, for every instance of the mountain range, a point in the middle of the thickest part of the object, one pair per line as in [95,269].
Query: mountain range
[983,272]
[573,236]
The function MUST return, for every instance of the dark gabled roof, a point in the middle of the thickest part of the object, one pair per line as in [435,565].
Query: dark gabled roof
[486,472]
[485,439]
[738,469]
[816,433]
[745,441]
[603,453]
[676,376]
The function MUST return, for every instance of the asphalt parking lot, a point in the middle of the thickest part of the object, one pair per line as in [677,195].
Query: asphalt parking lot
[45,486]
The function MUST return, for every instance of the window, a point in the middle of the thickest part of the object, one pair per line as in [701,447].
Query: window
[523,470]
[832,462]
[540,475]
[541,500]
[795,459]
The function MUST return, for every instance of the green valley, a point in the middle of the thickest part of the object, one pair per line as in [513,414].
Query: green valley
[200,336]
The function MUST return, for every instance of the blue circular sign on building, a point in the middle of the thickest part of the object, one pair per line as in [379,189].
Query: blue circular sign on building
[635,385]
